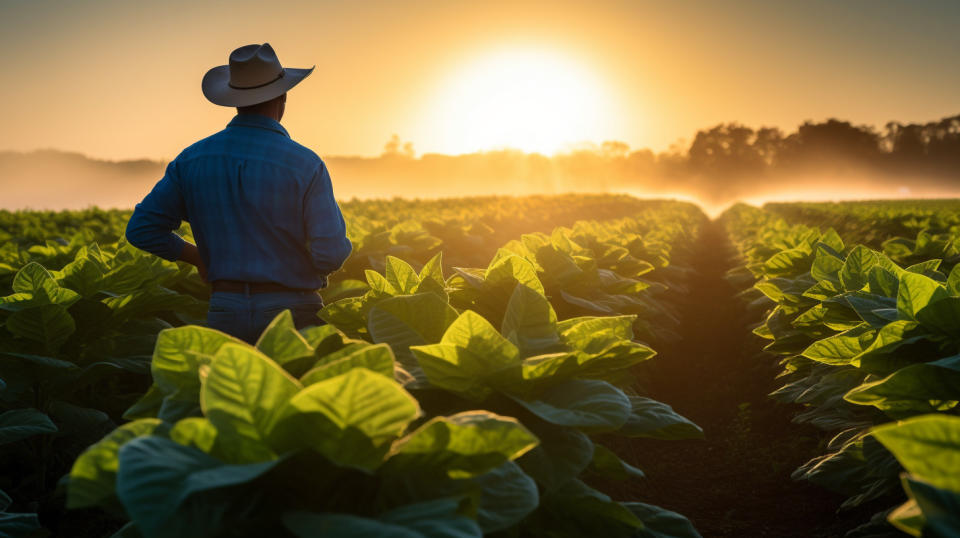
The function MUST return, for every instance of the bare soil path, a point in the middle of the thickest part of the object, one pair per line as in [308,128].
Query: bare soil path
[737,481]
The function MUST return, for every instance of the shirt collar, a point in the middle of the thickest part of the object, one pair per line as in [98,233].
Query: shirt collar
[258,121]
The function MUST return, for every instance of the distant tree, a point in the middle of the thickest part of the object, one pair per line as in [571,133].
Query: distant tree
[397,148]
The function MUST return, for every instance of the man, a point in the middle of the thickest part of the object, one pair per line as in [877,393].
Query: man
[261,206]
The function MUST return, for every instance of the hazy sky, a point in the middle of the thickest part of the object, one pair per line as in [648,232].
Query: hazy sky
[121,79]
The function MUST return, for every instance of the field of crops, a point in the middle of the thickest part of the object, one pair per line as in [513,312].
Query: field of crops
[495,366]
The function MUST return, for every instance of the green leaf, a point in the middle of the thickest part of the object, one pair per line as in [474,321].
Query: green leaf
[840,349]
[530,322]
[940,508]
[563,453]
[463,445]
[470,358]
[18,424]
[581,403]
[177,358]
[49,324]
[94,473]
[401,276]
[31,278]
[927,446]
[657,420]
[377,358]
[856,268]
[172,490]
[242,396]
[580,510]
[908,518]
[826,266]
[882,281]
[196,432]
[351,419]
[512,269]
[918,388]
[916,292]
[507,495]
[282,342]
[410,320]
[787,263]
[608,465]
[661,523]
[953,281]
[439,518]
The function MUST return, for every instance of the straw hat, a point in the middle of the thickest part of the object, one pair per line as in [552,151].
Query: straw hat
[254,75]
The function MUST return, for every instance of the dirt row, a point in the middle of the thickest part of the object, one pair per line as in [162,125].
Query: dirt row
[736,482]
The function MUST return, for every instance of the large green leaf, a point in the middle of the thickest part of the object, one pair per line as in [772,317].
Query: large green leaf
[918,388]
[18,424]
[661,523]
[855,272]
[401,276]
[410,320]
[940,508]
[511,269]
[282,342]
[94,473]
[927,446]
[50,324]
[377,358]
[916,292]
[196,432]
[608,464]
[172,490]
[826,265]
[657,420]
[581,403]
[530,322]
[242,396]
[462,445]
[563,453]
[579,510]
[470,358]
[351,419]
[177,358]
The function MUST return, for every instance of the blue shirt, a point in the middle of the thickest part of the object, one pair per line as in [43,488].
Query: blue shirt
[261,207]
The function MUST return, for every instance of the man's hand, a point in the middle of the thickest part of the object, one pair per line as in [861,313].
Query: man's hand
[191,255]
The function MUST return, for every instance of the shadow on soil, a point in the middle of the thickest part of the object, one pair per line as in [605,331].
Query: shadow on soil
[737,481]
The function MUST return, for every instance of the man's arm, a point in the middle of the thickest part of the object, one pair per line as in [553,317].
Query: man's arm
[155,218]
[326,231]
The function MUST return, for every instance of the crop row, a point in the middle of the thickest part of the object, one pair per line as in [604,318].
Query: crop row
[432,405]
[868,341]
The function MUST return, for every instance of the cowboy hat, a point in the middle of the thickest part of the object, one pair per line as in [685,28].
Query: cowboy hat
[254,75]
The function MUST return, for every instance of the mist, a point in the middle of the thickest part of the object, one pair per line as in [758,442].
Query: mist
[831,160]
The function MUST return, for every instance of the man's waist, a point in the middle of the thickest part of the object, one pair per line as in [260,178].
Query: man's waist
[237,286]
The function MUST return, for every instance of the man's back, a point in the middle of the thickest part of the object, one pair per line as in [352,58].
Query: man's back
[260,205]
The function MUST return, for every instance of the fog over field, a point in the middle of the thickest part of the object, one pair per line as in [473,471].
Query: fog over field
[829,160]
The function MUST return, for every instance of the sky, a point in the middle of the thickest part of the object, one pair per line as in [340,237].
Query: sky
[121,79]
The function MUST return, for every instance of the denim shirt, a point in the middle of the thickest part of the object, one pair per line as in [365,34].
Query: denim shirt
[261,207]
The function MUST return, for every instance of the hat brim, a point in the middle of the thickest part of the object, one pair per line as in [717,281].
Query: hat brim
[217,90]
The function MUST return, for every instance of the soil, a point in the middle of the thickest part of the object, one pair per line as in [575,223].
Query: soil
[735,482]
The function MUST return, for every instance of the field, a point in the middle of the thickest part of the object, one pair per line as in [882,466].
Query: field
[579,365]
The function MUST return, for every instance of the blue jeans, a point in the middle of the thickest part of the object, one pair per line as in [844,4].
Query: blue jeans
[246,315]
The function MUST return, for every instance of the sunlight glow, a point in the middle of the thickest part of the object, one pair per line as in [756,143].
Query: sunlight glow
[532,100]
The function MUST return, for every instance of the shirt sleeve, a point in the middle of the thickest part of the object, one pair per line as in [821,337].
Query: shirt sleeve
[326,231]
[155,218]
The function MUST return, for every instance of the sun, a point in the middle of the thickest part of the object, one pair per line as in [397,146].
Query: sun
[531,100]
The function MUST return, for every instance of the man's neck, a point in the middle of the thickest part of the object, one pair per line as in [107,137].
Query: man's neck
[272,116]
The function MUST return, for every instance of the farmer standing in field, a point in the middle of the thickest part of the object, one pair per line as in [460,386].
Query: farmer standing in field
[261,206]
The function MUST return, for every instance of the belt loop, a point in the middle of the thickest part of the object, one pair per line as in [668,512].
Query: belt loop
[246,289]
